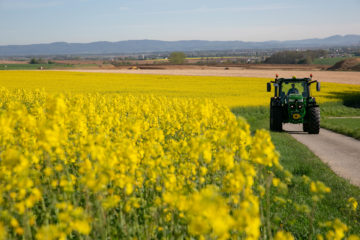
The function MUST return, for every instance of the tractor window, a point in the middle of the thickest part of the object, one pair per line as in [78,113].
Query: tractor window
[288,88]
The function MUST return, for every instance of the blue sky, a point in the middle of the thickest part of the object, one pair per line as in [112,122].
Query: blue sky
[43,21]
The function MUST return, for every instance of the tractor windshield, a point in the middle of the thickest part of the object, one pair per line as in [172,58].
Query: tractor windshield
[291,87]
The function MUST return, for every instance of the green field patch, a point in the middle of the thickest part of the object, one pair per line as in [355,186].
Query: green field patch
[328,61]
[34,66]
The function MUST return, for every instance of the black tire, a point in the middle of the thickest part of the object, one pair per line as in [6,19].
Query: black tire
[314,120]
[271,119]
[306,122]
[275,119]
[305,126]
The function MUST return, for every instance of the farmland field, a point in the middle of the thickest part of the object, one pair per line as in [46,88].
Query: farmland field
[94,155]
[328,61]
[229,91]
[26,66]
[252,71]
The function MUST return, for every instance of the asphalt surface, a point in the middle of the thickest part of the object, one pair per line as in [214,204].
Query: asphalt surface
[340,152]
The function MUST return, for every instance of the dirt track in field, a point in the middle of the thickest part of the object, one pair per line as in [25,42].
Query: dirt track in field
[340,152]
[12,62]
[322,76]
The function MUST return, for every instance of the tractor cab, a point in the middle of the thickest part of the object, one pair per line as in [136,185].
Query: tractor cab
[293,88]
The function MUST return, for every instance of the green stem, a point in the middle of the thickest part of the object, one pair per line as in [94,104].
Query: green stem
[268,222]
[311,225]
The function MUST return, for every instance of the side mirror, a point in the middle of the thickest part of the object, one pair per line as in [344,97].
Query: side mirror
[268,85]
[318,86]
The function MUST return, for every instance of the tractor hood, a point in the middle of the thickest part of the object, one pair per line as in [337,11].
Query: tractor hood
[296,108]
[294,97]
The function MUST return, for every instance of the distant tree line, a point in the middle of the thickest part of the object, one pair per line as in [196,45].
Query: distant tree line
[40,61]
[295,57]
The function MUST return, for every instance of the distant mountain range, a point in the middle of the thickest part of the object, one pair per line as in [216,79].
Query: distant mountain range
[147,46]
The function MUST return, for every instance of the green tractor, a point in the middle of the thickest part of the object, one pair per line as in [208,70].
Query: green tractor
[293,103]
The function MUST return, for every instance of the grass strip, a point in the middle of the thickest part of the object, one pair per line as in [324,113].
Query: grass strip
[346,126]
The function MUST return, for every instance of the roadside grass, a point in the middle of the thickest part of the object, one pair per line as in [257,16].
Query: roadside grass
[299,160]
[350,107]
[346,126]
[338,109]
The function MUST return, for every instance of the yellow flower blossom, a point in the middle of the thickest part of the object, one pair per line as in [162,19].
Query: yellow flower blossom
[81,226]
[3,231]
[281,235]
[353,203]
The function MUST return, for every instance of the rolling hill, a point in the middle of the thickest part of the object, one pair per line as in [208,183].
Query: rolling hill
[146,46]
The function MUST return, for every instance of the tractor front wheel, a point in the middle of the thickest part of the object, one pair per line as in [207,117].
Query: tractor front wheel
[313,125]
[276,119]
[305,126]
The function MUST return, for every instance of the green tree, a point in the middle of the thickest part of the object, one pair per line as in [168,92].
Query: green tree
[177,57]
[37,61]
[34,61]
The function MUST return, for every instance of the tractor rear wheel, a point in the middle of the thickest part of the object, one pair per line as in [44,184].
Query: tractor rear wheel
[276,119]
[313,120]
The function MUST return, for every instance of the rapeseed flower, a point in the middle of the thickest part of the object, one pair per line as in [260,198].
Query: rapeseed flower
[110,166]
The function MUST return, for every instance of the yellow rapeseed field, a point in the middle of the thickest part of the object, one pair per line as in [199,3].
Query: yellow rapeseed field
[78,161]
[230,91]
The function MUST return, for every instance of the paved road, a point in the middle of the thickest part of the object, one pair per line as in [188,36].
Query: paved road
[340,152]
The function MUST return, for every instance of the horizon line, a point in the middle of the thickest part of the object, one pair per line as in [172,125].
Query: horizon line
[341,35]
